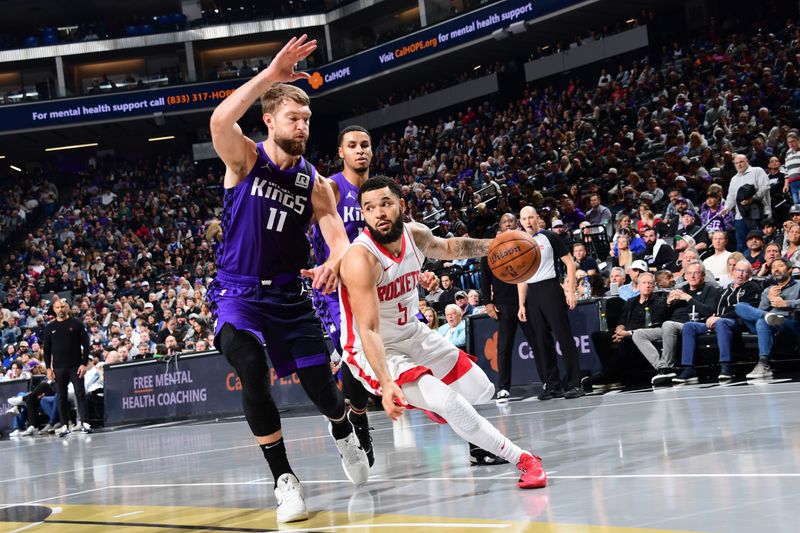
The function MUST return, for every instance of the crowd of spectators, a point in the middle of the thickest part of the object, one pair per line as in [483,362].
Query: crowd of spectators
[125,244]
[648,156]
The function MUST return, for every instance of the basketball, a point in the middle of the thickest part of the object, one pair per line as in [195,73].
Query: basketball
[514,256]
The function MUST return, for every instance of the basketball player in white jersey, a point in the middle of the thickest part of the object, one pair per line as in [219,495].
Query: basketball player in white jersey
[395,355]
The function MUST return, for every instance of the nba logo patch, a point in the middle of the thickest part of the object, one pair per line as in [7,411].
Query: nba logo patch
[302,180]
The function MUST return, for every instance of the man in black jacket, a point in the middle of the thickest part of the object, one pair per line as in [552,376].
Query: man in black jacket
[618,354]
[66,354]
[695,302]
[724,321]
[502,303]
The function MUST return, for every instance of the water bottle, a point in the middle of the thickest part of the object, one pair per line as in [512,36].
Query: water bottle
[648,320]
[587,289]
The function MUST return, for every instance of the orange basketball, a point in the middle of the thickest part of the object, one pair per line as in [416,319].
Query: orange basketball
[514,256]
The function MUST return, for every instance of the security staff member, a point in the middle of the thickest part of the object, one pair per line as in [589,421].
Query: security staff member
[66,354]
[544,313]
[501,305]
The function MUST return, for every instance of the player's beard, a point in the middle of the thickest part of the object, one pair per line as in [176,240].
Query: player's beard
[291,146]
[394,233]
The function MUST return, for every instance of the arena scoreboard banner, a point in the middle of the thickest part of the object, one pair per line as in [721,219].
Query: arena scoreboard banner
[124,105]
[189,386]
[114,106]
[482,342]
[428,41]
[7,390]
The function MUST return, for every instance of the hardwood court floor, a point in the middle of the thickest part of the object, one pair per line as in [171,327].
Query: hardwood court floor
[688,458]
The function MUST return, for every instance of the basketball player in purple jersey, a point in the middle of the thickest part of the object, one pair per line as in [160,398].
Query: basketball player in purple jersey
[355,150]
[271,197]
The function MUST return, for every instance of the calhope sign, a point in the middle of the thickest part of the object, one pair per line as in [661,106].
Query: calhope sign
[482,342]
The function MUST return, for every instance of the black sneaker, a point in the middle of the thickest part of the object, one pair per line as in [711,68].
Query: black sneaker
[479,456]
[365,440]
[574,392]
[549,394]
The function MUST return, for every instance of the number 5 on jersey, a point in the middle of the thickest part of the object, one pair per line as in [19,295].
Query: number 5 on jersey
[402,320]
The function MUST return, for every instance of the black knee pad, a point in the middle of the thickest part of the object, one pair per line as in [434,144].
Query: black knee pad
[246,355]
[321,389]
[353,389]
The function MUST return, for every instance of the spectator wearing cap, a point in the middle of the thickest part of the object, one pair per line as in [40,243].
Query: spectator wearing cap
[712,215]
[677,204]
[791,163]
[748,209]
[688,227]
[462,301]
[444,229]
[557,225]
[630,290]
[755,248]
[682,185]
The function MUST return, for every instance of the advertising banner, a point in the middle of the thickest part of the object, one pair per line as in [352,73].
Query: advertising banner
[428,41]
[482,341]
[188,386]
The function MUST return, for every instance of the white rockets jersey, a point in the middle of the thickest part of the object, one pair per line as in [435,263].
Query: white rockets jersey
[397,292]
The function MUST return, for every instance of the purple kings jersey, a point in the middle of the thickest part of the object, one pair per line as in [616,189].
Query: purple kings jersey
[350,211]
[264,221]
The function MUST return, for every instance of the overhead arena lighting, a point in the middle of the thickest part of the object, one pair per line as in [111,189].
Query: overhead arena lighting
[500,34]
[518,27]
[15,168]
[69,147]
[2,157]
[165,138]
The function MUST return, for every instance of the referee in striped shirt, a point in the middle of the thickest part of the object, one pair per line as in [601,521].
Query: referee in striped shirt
[543,306]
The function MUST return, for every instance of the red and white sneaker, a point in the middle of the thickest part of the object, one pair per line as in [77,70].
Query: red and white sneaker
[531,472]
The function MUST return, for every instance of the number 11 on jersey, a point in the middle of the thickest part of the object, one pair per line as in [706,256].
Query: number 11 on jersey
[281,219]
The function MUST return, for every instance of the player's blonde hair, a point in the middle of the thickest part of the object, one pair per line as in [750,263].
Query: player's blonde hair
[275,95]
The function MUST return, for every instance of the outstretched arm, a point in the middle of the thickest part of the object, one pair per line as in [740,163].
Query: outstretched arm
[326,275]
[360,272]
[237,151]
[452,248]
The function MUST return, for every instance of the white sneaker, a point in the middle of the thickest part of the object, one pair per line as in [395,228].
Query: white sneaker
[15,433]
[15,401]
[64,431]
[774,319]
[29,431]
[502,396]
[291,503]
[13,410]
[46,429]
[761,371]
[85,427]
[354,458]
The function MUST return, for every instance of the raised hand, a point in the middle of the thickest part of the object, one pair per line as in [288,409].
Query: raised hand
[284,63]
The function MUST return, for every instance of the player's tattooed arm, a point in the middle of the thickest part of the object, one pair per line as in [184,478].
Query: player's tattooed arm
[452,248]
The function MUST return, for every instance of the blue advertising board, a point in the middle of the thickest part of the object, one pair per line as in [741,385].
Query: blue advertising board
[192,386]
[431,40]
[482,342]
